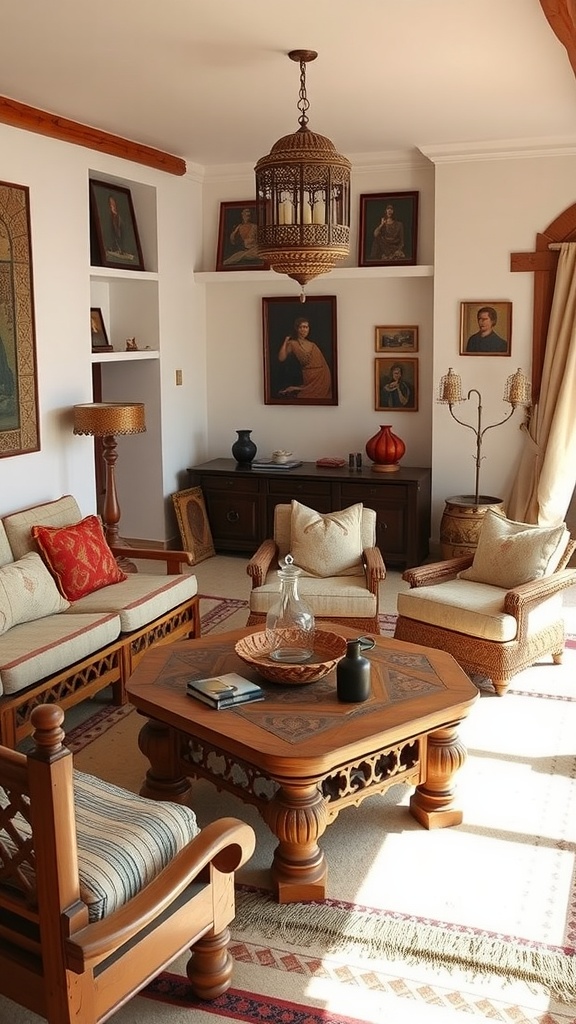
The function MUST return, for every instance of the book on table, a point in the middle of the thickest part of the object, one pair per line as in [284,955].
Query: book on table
[270,464]
[225,691]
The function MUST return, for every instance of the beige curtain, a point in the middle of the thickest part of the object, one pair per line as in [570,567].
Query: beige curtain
[546,475]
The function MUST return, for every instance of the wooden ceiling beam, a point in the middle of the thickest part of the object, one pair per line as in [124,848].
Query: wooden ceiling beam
[19,115]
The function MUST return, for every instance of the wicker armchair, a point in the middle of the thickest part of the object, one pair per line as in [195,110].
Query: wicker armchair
[494,632]
[101,889]
[351,599]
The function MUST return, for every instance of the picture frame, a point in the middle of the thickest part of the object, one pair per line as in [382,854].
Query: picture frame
[396,338]
[237,231]
[193,524]
[394,244]
[19,413]
[100,341]
[113,229]
[486,328]
[300,366]
[396,390]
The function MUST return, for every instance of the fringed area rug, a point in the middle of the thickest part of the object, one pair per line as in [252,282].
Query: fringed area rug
[475,922]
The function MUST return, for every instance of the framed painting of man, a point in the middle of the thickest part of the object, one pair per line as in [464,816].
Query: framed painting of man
[237,234]
[396,384]
[388,233]
[113,227]
[19,417]
[300,359]
[485,328]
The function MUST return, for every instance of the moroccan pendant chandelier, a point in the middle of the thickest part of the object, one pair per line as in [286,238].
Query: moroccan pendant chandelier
[303,198]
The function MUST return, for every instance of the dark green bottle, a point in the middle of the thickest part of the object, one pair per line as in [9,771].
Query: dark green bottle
[353,675]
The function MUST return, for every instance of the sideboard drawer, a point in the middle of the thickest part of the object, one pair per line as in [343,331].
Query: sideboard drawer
[368,493]
[291,488]
[243,483]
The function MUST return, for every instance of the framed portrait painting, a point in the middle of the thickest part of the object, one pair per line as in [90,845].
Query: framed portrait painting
[19,416]
[100,341]
[485,328]
[396,339]
[195,532]
[396,384]
[237,236]
[388,233]
[113,227]
[300,359]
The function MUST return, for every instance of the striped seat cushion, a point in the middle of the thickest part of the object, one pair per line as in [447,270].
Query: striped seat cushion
[123,842]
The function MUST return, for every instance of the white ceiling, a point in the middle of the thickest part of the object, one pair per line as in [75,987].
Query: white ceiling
[208,80]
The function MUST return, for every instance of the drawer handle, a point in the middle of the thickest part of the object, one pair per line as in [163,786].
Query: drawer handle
[232,516]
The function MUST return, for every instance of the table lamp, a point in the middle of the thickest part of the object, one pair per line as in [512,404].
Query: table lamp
[107,420]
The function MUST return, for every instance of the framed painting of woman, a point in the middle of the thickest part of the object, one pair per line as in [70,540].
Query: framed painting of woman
[300,363]
[388,229]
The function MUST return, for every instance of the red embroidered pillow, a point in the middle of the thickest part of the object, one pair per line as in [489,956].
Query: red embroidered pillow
[78,557]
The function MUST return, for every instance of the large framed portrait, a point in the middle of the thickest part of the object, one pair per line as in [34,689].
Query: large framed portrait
[300,359]
[396,339]
[388,234]
[237,236]
[396,384]
[113,227]
[19,416]
[485,328]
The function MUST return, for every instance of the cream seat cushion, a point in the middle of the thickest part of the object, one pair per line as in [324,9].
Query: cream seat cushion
[139,599]
[340,596]
[475,609]
[510,553]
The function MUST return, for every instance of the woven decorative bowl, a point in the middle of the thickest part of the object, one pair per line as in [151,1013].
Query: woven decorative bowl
[328,649]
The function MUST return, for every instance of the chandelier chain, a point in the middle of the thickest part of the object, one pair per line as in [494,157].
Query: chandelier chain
[303,101]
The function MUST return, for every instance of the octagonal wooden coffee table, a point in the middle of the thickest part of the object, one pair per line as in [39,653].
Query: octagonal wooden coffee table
[301,756]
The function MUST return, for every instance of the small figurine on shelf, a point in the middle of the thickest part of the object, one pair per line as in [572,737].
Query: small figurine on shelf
[131,345]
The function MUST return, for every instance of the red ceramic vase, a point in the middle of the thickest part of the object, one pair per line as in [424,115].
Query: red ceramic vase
[385,449]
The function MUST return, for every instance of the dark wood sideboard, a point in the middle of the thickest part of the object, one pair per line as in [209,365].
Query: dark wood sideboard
[240,503]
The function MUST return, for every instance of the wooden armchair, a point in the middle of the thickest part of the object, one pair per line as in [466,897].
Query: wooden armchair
[88,919]
[351,598]
[489,630]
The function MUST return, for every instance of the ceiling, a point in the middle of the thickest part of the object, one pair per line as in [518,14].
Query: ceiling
[209,80]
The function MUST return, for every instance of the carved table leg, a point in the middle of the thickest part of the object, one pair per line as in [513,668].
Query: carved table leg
[298,815]
[164,779]
[432,803]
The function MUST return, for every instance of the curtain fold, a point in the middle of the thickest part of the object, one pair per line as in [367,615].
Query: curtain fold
[546,475]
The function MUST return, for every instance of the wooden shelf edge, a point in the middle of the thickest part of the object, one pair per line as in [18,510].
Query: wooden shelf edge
[340,273]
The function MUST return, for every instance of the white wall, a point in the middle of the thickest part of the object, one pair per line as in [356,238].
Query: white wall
[57,175]
[474,213]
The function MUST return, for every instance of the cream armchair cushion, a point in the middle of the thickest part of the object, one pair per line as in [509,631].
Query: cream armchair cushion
[329,544]
[510,553]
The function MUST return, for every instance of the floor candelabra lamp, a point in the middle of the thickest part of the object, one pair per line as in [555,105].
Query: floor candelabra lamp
[108,420]
[463,514]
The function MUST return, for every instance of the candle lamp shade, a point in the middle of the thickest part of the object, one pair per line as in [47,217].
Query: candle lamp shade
[108,420]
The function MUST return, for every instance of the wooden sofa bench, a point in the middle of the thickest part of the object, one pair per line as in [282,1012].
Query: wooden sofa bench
[65,652]
[101,889]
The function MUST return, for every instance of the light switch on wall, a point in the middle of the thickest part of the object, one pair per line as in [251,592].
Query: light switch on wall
[178,377]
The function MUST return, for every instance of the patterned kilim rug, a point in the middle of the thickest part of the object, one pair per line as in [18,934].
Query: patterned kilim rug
[476,922]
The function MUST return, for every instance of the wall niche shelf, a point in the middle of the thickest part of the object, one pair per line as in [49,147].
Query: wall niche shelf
[111,274]
[117,357]
[339,273]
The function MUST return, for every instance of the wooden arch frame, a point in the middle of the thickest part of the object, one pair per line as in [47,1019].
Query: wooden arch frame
[543,262]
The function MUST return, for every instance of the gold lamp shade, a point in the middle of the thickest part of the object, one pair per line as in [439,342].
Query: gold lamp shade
[102,418]
[303,198]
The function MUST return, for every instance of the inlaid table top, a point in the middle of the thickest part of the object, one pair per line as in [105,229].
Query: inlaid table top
[313,752]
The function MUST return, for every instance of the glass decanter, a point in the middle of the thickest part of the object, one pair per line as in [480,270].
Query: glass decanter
[290,623]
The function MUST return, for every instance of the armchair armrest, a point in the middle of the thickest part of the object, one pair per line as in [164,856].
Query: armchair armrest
[520,601]
[174,559]
[436,572]
[374,568]
[261,561]
[226,844]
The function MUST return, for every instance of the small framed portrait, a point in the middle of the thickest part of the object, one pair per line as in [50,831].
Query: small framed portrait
[113,228]
[485,328]
[388,229]
[100,341]
[396,384]
[237,237]
[396,339]
[300,362]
